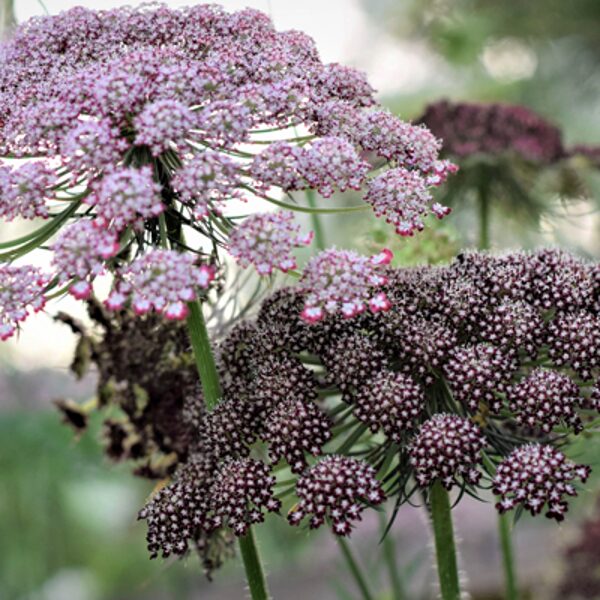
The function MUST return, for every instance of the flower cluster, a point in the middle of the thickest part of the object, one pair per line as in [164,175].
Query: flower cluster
[161,280]
[21,288]
[402,198]
[544,399]
[343,281]
[80,253]
[474,336]
[205,181]
[537,477]
[125,197]
[24,189]
[266,240]
[447,448]
[468,128]
[476,374]
[391,402]
[336,488]
[293,428]
[154,112]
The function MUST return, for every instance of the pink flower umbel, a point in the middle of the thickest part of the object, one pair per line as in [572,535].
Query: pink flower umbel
[205,181]
[537,477]
[21,289]
[162,280]
[81,253]
[331,164]
[125,197]
[266,240]
[403,199]
[342,281]
[162,125]
[24,190]
[337,488]
[92,146]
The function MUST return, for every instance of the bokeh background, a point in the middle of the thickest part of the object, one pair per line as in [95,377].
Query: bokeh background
[68,525]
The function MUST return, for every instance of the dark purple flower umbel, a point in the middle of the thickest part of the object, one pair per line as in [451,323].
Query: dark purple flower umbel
[545,399]
[336,488]
[447,448]
[470,128]
[537,476]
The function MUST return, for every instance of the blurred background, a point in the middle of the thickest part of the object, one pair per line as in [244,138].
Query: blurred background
[68,518]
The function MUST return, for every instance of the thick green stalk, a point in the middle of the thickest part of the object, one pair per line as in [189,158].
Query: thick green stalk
[389,555]
[445,548]
[510,580]
[354,567]
[209,378]
[316,221]
[254,570]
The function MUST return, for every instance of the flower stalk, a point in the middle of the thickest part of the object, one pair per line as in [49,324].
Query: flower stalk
[355,569]
[209,379]
[445,547]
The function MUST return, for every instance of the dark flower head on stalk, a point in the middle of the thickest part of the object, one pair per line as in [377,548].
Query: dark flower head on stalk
[537,477]
[471,128]
[142,126]
[447,448]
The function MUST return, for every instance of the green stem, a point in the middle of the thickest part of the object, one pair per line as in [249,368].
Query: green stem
[484,216]
[209,378]
[445,548]
[359,578]
[510,580]
[389,555]
[316,221]
[254,570]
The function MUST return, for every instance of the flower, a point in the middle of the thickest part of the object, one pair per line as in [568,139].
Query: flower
[574,340]
[80,253]
[125,197]
[92,146]
[266,240]
[242,490]
[391,402]
[206,180]
[343,281]
[293,428]
[336,488]
[469,128]
[446,448]
[163,124]
[477,373]
[24,190]
[545,399]
[21,288]
[537,476]
[332,163]
[402,198]
[163,280]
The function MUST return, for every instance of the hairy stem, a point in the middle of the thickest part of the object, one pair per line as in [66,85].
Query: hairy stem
[389,555]
[255,575]
[355,570]
[445,548]
[209,378]
[510,580]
